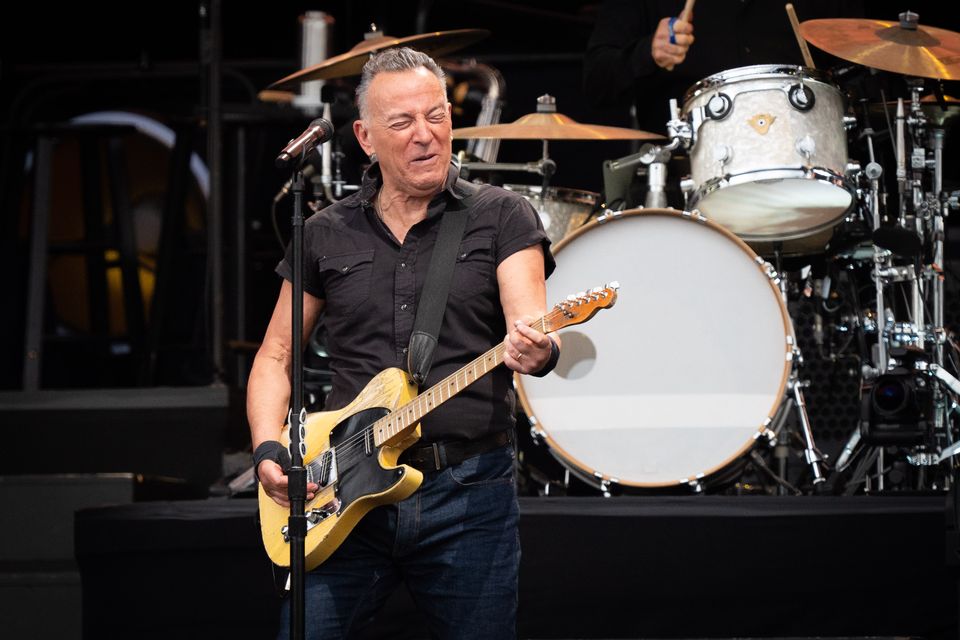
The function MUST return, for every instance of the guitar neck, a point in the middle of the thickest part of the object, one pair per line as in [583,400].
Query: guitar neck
[407,416]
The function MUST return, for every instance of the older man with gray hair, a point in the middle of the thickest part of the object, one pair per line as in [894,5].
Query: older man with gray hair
[454,541]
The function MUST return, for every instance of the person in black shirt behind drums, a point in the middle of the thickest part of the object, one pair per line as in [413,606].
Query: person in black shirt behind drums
[643,54]
[454,541]
[630,60]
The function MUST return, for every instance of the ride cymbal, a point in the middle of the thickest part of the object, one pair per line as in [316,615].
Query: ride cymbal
[551,126]
[434,44]
[905,47]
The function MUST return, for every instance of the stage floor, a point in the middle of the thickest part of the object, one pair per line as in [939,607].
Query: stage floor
[623,567]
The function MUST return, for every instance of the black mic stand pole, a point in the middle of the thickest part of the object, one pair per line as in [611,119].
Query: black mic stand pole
[297,475]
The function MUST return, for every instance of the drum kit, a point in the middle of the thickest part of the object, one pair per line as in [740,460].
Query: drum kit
[698,372]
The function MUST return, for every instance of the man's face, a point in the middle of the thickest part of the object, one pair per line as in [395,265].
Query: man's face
[408,126]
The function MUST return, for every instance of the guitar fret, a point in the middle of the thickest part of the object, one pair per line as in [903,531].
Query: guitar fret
[414,411]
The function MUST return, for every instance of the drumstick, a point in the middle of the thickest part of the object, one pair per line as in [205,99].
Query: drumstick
[685,16]
[807,58]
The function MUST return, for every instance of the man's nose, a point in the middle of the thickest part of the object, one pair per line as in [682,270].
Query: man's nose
[421,131]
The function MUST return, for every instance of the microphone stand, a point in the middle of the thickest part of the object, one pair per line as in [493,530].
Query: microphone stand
[297,475]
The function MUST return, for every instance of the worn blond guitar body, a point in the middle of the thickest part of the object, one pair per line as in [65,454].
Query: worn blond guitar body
[367,473]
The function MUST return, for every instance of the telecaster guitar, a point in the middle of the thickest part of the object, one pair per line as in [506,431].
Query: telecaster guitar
[352,453]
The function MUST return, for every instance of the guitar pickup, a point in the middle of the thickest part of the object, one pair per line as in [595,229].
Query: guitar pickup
[315,517]
[323,470]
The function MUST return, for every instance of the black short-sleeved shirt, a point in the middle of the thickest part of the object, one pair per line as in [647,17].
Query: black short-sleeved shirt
[371,285]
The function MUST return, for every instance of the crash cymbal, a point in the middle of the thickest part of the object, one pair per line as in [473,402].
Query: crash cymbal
[551,126]
[921,51]
[434,44]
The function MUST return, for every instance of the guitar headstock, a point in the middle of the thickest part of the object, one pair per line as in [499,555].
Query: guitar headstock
[580,307]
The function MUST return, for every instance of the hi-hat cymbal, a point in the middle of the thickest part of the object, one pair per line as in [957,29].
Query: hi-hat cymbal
[434,44]
[925,52]
[551,126]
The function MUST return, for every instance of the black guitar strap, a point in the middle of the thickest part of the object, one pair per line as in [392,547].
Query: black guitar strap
[436,288]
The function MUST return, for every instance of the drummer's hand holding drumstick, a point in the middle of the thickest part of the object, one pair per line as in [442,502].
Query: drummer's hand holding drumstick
[673,38]
[670,44]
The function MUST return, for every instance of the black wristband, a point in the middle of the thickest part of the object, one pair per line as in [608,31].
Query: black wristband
[270,450]
[551,363]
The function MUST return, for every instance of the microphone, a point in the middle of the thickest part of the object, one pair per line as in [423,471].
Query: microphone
[318,132]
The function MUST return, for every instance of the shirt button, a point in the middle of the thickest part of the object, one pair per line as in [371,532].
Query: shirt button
[403,265]
[404,350]
[403,307]
[345,269]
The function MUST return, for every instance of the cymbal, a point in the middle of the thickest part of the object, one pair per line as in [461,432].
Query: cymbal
[279,97]
[551,126]
[434,44]
[925,52]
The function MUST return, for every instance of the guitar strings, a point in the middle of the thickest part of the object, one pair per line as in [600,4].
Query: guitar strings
[346,451]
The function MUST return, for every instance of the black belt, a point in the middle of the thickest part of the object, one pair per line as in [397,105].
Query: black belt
[440,455]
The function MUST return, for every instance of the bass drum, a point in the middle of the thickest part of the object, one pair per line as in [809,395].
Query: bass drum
[682,376]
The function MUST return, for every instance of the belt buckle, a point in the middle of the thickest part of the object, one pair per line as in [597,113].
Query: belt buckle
[436,456]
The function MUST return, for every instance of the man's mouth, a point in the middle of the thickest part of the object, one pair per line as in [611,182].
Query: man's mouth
[424,158]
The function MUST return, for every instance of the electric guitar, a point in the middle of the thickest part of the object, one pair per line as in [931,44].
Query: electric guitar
[352,453]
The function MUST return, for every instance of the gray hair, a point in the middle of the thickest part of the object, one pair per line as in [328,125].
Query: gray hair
[394,60]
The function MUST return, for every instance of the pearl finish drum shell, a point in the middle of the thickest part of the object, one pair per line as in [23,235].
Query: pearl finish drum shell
[767,189]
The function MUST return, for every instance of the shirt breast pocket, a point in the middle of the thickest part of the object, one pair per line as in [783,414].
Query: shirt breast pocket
[473,272]
[346,279]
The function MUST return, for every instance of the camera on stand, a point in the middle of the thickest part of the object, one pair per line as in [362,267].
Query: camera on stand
[897,406]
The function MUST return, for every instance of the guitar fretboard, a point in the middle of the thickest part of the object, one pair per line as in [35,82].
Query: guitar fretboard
[410,414]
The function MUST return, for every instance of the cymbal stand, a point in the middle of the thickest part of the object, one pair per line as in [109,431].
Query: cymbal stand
[543,167]
[921,212]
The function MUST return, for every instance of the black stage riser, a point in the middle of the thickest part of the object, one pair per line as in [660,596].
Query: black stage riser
[709,566]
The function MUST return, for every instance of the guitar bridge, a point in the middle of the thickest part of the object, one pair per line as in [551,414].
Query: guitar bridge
[315,517]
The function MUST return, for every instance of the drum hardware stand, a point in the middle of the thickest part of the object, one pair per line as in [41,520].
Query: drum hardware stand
[544,167]
[777,438]
[655,158]
[811,453]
